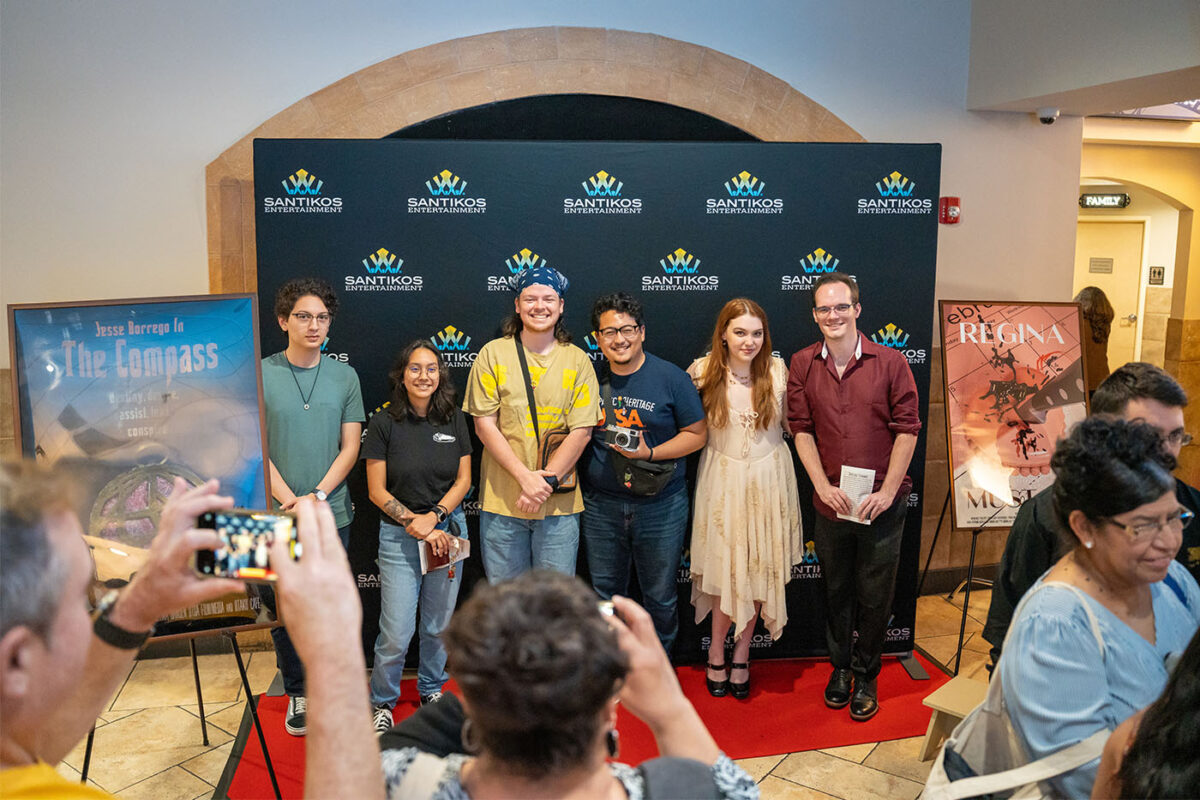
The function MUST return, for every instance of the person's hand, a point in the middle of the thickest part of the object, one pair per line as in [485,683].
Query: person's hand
[166,582]
[534,490]
[317,592]
[875,504]
[651,691]
[422,525]
[642,452]
[835,498]
[290,505]
[441,543]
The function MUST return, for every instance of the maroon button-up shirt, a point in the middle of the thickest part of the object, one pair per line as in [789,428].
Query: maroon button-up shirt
[855,418]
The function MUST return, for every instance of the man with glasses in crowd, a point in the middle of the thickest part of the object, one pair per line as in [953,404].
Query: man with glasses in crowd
[853,403]
[1136,391]
[653,413]
[314,426]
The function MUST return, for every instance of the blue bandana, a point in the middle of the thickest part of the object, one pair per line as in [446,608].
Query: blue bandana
[546,276]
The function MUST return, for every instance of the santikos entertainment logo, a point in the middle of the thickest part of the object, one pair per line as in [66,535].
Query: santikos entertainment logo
[447,196]
[602,195]
[892,336]
[680,273]
[454,346]
[591,346]
[895,197]
[817,263]
[383,273]
[522,259]
[745,196]
[303,194]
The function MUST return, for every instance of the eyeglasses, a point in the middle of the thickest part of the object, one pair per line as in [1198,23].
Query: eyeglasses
[303,317]
[1179,437]
[626,331]
[825,311]
[415,370]
[1147,530]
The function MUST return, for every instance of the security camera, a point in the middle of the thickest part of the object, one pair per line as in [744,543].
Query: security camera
[1047,115]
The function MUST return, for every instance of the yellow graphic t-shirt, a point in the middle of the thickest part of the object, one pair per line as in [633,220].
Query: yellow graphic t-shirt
[566,393]
[41,781]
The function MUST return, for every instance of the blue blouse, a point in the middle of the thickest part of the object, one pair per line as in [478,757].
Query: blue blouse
[1058,687]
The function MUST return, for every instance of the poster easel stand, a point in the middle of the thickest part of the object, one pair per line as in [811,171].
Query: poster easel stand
[966,586]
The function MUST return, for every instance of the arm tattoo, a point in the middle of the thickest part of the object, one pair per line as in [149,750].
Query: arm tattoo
[398,511]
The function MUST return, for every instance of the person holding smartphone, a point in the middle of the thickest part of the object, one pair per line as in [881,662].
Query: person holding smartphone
[418,455]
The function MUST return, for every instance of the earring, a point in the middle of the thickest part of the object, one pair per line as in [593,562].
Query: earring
[613,740]
[467,734]
[724,343]
[1089,544]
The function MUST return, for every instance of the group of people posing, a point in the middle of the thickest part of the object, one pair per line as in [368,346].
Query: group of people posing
[570,454]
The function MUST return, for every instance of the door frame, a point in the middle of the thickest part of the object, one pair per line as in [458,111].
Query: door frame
[1143,272]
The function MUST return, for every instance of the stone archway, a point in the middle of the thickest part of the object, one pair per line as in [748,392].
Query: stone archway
[505,65]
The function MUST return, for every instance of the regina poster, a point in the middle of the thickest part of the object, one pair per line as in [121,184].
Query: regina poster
[1014,383]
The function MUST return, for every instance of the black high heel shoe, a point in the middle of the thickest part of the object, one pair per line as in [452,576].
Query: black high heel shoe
[717,688]
[740,690]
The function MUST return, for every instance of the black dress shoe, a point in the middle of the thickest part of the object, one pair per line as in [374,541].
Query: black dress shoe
[717,688]
[837,691]
[740,690]
[864,704]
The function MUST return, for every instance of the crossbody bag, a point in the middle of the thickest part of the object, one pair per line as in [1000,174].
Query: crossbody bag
[554,438]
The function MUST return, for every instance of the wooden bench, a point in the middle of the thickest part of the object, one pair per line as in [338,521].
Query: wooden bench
[950,703]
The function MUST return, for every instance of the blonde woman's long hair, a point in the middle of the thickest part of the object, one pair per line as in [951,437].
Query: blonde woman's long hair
[712,379]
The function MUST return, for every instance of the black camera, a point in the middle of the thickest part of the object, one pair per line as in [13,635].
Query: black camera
[625,438]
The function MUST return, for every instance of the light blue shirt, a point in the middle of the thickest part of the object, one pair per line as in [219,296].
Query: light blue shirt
[1058,687]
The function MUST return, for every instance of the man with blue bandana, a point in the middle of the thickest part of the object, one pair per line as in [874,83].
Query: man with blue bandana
[524,522]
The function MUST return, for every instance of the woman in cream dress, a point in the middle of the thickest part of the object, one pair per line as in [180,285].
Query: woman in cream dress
[746,527]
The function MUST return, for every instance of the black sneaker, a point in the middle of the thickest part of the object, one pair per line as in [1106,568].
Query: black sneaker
[296,722]
[382,720]
[429,699]
[837,691]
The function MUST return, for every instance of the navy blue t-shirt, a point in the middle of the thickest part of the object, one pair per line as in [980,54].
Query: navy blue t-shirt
[659,399]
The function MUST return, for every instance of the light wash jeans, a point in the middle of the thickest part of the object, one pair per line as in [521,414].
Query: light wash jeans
[513,546]
[402,588]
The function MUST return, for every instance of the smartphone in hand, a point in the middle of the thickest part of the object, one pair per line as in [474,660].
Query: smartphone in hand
[246,538]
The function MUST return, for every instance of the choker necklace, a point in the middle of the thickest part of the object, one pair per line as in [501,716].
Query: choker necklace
[312,388]
[743,381]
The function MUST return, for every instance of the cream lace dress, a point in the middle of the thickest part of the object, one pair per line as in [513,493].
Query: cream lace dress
[746,527]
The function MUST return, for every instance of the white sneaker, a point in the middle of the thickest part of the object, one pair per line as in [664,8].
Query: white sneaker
[383,719]
[296,722]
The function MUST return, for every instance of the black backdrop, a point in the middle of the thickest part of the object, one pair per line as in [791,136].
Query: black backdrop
[417,237]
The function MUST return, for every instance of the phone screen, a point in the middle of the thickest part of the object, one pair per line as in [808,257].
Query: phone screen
[246,538]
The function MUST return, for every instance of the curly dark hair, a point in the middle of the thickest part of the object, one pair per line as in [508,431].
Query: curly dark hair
[293,290]
[443,403]
[622,303]
[1137,380]
[537,663]
[1108,466]
[1161,761]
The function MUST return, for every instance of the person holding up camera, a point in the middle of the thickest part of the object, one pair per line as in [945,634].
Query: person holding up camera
[635,497]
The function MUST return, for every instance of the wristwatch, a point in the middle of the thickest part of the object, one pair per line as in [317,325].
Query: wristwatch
[440,513]
[320,494]
[112,634]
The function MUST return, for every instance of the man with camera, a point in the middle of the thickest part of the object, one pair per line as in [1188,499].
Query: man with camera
[59,667]
[635,498]
[533,396]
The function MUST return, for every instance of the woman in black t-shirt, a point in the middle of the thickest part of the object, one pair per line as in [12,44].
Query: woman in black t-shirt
[418,457]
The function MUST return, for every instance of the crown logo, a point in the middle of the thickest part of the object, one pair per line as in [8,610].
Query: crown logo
[381,262]
[890,336]
[591,343]
[895,185]
[744,185]
[810,553]
[525,259]
[601,185]
[302,183]
[818,261]
[450,338]
[679,262]
[445,184]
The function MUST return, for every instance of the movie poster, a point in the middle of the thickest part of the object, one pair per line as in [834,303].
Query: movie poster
[1014,384]
[137,393]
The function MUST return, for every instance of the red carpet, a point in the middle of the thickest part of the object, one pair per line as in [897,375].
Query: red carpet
[784,714]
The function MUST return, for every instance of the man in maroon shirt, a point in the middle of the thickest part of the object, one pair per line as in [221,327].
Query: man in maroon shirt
[853,403]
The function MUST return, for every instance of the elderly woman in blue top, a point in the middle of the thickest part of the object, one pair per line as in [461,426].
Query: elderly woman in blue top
[1115,499]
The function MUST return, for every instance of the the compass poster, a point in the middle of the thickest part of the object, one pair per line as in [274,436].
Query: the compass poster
[140,392]
[1014,384]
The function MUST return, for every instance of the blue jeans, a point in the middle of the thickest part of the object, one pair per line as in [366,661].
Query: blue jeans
[646,535]
[286,657]
[513,546]
[402,588]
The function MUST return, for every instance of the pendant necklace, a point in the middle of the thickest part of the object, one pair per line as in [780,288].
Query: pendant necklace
[312,388]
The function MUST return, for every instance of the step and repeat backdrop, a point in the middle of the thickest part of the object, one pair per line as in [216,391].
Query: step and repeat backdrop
[420,237]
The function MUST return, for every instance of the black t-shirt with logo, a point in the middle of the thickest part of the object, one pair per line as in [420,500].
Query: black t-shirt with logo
[422,458]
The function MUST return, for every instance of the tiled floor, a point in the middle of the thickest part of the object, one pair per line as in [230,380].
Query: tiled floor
[148,742]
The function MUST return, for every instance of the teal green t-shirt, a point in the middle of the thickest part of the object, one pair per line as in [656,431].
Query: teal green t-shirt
[304,442]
